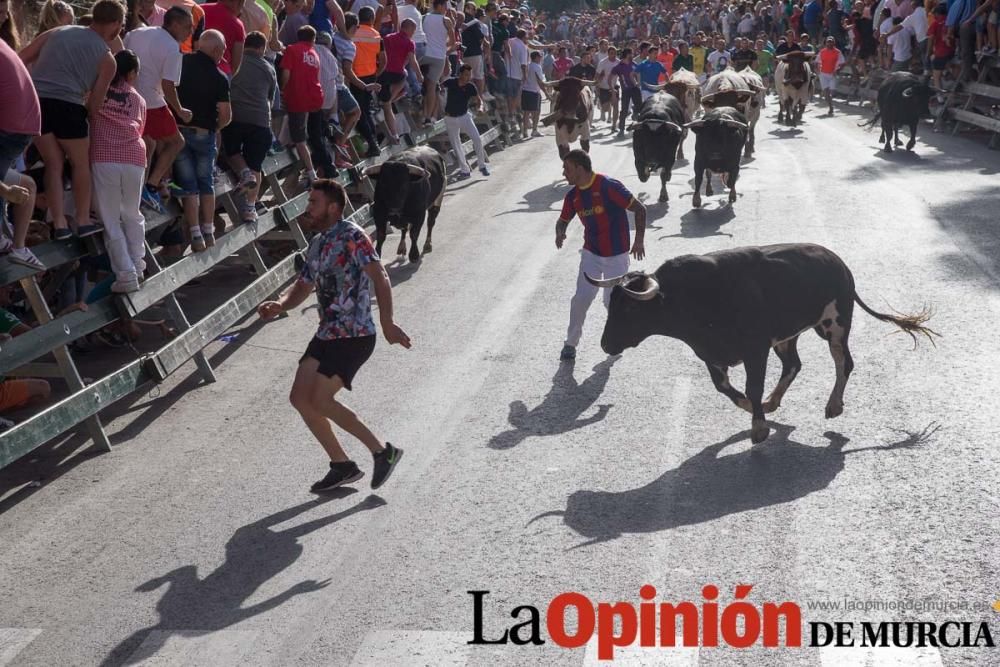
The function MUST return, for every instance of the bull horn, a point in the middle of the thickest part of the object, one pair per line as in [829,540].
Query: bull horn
[695,123]
[646,294]
[588,83]
[674,126]
[604,282]
[908,92]
[735,123]
[414,170]
[372,170]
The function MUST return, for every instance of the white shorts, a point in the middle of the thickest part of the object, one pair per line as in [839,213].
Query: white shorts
[828,81]
[476,62]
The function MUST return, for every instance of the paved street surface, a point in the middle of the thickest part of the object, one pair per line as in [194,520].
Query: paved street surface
[196,542]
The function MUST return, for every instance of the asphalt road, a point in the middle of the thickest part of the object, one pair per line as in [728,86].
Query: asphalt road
[196,542]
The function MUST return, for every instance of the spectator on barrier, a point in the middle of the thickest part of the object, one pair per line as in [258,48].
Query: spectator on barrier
[20,121]
[440,32]
[517,70]
[940,46]
[458,119]
[204,90]
[247,138]
[54,14]
[158,51]
[410,10]
[118,161]
[347,25]
[258,16]
[72,66]
[531,95]
[224,16]
[899,42]
[341,108]
[369,60]
[197,20]
[302,95]
[399,51]
[8,27]
[474,38]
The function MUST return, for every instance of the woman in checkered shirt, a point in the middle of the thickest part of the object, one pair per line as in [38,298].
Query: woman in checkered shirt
[118,164]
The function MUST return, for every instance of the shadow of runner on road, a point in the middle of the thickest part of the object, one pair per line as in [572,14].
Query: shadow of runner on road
[541,199]
[562,408]
[254,554]
[708,486]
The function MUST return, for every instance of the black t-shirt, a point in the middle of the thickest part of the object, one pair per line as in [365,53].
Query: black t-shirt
[458,97]
[785,48]
[202,87]
[744,58]
[472,37]
[585,72]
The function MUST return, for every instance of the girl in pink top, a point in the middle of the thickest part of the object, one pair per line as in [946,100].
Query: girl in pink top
[118,166]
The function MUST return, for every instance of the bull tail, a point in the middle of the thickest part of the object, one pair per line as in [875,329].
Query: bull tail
[911,324]
[870,124]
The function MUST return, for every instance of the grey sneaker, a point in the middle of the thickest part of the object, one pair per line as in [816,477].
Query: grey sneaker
[197,243]
[568,353]
[125,286]
[485,170]
[385,461]
[209,238]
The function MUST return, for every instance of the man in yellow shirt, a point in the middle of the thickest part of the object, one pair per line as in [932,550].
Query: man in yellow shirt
[698,54]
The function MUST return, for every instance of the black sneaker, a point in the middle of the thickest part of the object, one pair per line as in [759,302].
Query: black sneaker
[340,474]
[385,461]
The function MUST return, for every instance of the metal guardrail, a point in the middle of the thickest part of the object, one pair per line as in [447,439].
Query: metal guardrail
[52,336]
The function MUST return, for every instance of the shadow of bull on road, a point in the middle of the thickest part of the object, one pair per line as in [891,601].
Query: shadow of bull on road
[254,554]
[562,408]
[708,487]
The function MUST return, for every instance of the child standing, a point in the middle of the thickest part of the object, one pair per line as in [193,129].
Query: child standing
[118,159]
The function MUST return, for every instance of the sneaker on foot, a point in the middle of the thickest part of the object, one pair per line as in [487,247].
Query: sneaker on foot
[209,238]
[462,175]
[197,243]
[340,474]
[485,170]
[62,234]
[87,230]
[385,461]
[536,133]
[247,181]
[25,257]
[125,286]
[568,353]
[151,198]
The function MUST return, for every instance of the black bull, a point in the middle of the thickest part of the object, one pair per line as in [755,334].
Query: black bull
[720,136]
[656,137]
[408,188]
[734,306]
[902,100]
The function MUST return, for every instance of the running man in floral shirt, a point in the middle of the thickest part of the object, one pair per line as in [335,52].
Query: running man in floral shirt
[342,266]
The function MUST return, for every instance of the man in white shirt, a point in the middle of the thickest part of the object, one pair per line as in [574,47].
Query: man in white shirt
[160,58]
[899,41]
[916,24]
[517,71]
[607,92]
[531,95]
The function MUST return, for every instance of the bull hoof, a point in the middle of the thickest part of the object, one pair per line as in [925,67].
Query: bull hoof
[664,196]
[401,249]
[910,144]
[834,409]
[759,432]
[709,191]
[732,196]
[696,201]
[428,248]
[888,148]
[898,142]
[414,254]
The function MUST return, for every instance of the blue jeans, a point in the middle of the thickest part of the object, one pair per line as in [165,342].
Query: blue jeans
[194,166]
[11,147]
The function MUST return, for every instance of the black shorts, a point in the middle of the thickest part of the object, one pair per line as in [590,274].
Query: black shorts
[64,119]
[342,357]
[940,64]
[531,101]
[250,141]
[386,80]
[604,96]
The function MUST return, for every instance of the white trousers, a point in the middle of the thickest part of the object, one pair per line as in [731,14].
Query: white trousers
[594,266]
[117,193]
[464,124]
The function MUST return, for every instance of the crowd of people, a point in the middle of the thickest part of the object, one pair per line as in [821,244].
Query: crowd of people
[111,113]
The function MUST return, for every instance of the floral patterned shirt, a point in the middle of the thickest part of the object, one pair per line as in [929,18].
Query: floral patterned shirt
[335,263]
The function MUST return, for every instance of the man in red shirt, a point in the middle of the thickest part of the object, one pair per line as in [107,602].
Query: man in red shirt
[830,60]
[941,48]
[224,17]
[302,95]
[562,65]
[400,51]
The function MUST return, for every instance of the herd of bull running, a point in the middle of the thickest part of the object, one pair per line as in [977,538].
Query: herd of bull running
[731,307]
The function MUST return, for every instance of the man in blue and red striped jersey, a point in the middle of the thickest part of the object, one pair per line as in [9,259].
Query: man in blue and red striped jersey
[602,204]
